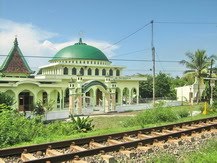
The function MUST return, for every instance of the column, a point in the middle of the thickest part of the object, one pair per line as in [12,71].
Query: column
[107,102]
[79,103]
[71,104]
[137,96]
[113,108]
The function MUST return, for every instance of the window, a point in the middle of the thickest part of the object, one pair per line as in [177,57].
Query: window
[65,71]
[89,72]
[117,72]
[110,72]
[74,71]
[97,71]
[103,72]
[81,71]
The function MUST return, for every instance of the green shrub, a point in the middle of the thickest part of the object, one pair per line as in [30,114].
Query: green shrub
[213,108]
[16,128]
[182,113]
[82,124]
[60,128]
[151,116]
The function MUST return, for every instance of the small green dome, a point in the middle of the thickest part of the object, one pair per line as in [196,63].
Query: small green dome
[80,50]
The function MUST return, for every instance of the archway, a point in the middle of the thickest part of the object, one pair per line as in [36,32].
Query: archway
[89,98]
[125,96]
[118,95]
[26,101]
[99,97]
[66,98]
[42,96]
[134,95]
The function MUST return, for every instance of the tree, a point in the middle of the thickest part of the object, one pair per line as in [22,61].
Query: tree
[145,87]
[6,101]
[164,86]
[197,63]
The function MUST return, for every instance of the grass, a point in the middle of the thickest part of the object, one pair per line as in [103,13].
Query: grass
[112,124]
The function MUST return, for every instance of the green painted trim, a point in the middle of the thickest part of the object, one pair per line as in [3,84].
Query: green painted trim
[89,84]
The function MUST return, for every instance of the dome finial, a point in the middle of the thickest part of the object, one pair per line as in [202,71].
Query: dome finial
[80,40]
[15,41]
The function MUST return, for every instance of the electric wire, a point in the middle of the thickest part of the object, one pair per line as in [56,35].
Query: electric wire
[126,37]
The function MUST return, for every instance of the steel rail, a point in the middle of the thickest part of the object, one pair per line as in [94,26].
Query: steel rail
[67,143]
[91,152]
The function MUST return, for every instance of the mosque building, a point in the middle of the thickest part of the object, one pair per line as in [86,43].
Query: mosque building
[78,78]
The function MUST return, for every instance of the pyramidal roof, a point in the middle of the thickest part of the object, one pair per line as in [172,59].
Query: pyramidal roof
[15,63]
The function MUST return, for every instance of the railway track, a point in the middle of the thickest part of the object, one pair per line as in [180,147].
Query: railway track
[126,143]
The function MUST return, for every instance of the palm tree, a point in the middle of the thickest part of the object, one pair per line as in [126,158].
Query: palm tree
[198,64]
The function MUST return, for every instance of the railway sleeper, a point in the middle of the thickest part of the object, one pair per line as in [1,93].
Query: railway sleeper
[157,133]
[145,149]
[160,144]
[52,152]
[129,154]
[127,138]
[27,157]
[2,161]
[168,131]
[175,141]
[96,145]
[143,136]
[113,142]
[108,158]
[77,148]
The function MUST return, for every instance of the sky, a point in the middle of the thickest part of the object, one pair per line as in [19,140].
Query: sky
[43,27]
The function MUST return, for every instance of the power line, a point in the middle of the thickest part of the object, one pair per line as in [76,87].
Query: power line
[187,23]
[124,38]
[114,59]
[124,54]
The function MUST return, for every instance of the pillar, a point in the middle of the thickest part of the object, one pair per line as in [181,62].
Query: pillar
[72,104]
[113,102]
[107,102]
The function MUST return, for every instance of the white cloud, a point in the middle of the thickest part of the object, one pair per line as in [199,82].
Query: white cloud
[34,41]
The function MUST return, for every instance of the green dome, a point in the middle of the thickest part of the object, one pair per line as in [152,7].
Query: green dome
[80,50]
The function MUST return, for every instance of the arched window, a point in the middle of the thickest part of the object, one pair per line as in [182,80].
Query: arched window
[103,72]
[74,71]
[97,71]
[89,71]
[110,72]
[117,72]
[82,71]
[65,71]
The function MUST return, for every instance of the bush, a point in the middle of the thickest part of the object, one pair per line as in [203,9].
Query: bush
[151,116]
[182,113]
[82,124]
[213,108]
[16,128]
[6,102]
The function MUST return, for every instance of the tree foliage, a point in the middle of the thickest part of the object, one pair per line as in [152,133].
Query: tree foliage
[197,64]
[6,101]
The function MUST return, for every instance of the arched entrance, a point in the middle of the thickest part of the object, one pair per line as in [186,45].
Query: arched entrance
[42,96]
[26,101]
[125,96]
[134,95]
[99,98]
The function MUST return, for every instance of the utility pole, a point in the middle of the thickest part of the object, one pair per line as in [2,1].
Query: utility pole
[153,58]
